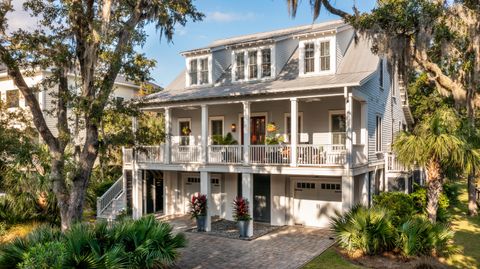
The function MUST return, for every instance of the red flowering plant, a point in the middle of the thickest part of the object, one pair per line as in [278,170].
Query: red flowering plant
[198,205]
[240,207]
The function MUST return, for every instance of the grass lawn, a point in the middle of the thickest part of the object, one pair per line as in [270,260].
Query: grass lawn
[467,234]
[330,259]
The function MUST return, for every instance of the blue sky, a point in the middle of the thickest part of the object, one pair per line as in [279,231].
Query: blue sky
[227,18]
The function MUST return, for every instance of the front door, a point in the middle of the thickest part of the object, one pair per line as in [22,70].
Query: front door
[261,198]
[257,130]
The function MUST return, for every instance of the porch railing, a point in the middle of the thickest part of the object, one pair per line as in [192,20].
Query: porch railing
[225,154]
[150,154]
[311,155]
[186,154]
[109,197]
[393,164]
[127,156]
[270,154]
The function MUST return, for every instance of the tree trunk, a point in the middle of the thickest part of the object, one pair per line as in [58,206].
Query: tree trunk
[434,189]
[472,199]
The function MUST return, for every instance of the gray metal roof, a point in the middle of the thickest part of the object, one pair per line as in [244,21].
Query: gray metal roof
[357,66]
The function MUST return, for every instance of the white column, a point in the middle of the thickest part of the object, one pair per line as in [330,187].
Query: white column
[349,129]
[347,192]
[205,188]
[246,133]
[168,136]
[204,139]
[364,126]
[365,186]
[294,131]
[247,193]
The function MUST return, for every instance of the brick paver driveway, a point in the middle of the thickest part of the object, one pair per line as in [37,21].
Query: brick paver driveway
[288,247]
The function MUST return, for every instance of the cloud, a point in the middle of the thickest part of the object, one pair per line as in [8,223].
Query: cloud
[218,16]
[19,18]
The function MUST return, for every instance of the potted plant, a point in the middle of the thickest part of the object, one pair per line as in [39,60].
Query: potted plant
[271,127]
[198,210]
[241,215]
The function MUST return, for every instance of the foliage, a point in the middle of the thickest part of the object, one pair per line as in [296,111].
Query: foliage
[198,205]
[420,200]
[3,228]
[368,230]
[224,140]
[50,255]
[451,191]
[330,259]
[240,209]
[401,205]
[95,190]
[418,236]
[144,243]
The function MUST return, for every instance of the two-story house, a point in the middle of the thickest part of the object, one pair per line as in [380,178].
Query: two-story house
[312,113]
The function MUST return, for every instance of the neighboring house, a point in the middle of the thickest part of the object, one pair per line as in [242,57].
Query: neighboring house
[13,98]
[314,113]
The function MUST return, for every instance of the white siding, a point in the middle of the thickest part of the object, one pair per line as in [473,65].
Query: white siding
[221,61]
[343,40]
[283,51]
[278,199]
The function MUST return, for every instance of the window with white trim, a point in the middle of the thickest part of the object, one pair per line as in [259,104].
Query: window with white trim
[378,134]
[193,72]
[239,65]
[216,127]
[266,63]
[325,56]
[204,71]
[252,65]
[338,127]
[309,58]
[184,131]
[288,125]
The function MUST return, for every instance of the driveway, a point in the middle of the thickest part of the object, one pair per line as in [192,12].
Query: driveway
[288,247]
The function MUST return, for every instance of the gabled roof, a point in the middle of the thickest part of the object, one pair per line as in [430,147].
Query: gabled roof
[358,64]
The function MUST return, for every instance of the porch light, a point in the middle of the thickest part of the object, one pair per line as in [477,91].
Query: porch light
[233,127]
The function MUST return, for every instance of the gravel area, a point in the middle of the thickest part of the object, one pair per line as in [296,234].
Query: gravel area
[229,229]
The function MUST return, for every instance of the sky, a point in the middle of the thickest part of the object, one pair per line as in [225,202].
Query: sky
[223,19]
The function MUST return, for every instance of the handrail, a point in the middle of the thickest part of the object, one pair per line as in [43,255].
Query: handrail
[104,201]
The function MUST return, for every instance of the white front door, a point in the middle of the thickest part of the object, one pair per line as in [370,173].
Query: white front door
[216,203]
[315,201]
[191,187]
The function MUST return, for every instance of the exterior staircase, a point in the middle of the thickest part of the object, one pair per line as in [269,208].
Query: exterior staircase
[112,202]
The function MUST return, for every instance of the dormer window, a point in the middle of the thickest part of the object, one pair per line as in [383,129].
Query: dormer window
[325,56]
[199,71]
[309,59]
[204,71]
[240,66]
[252,65]
[193,72]
[266,63]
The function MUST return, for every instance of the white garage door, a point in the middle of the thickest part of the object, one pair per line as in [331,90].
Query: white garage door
[315,201]
[192,187]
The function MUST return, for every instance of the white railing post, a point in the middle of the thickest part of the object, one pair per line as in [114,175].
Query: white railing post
[246,132]
[294,131]
[168,136]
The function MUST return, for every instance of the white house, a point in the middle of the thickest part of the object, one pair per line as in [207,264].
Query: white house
[331,104]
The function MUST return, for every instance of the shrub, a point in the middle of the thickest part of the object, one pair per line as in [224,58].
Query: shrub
[3,228]
[418,236]
[240,209]
[198,205]
[366,229]
[400,205]
[420,199]
[50,255]
[143,243]
[451,191]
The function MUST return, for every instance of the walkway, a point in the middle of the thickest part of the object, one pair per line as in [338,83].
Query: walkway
[288,247]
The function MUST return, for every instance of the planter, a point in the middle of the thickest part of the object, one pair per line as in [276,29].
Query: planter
[243,228]
[201,221]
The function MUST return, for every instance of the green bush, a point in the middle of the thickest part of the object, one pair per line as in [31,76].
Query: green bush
[401,205]
[24,207]
[369,230]
[451,191]
[418,236]
[50,255]
[95,190]
[420,199]
[144,243]
[3,228]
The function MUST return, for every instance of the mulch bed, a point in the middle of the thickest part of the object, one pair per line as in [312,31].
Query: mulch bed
[229,229]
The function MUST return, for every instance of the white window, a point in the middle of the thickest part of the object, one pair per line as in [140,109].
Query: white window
[252,65]
[240,65]
[378,134]
[193,72]
[266,63]
[380,76]
[309,58]
[338,127]
[216,126]
[288,125]
[204,71]
[325,56]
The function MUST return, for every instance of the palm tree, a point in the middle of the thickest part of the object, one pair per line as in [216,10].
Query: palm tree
[433,144]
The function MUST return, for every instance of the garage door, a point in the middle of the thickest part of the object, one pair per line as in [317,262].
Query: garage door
[192,187]
[315,201]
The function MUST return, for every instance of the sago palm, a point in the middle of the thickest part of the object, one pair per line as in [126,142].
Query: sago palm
[432,144]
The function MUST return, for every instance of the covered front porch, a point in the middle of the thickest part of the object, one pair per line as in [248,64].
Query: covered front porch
[321,130]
